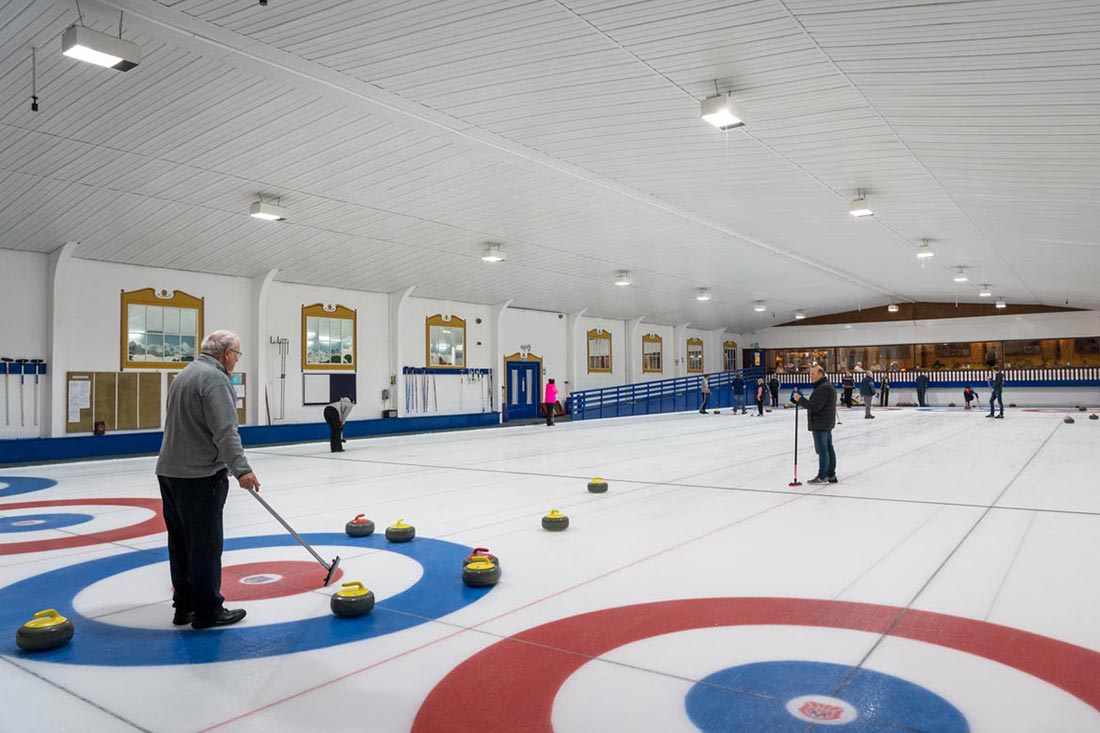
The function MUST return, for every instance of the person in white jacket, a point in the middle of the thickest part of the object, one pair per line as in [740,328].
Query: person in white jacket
[336,415]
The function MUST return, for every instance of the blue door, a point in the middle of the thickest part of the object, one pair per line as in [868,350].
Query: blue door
[524,386]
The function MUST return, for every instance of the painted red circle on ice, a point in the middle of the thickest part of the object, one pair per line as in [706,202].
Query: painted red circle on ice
[152,525]
[255,581]
[537,662]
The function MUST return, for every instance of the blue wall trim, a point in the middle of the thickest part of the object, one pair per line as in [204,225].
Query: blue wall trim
[38,450]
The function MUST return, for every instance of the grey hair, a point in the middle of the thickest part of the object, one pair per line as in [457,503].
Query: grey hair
[219,342]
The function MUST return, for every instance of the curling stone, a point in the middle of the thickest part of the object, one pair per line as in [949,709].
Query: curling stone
[47,630]
[480,571]
[950,404]
[716,412]
[597,485]
[353,599]
[1011,404]
[1069,420]
[1082,408]
[767,409]
[481,553]
[555,521]
[359,527]
[1094,416]
[400,532]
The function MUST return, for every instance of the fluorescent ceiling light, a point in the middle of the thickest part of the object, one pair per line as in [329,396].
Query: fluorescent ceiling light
[623,279]
[985,292]
[759,306]
[702,294]
[1001,303]
[721,112]
[799,315]
[893,308]
[860,207]
[960,276]
[268,212]
[492,253]
[98,48]
[924,251]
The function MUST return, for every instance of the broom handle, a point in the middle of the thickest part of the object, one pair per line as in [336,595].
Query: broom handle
[290,529]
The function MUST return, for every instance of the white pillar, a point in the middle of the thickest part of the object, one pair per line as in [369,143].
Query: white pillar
[397,301]
[679,349]
[57,356]
[575,337]
[714,356]
[496,314]
[633,350]
[256,387]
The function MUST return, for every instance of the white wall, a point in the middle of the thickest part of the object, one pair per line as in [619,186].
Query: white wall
[668,352]
[25,288]
[284,320]
[547,334]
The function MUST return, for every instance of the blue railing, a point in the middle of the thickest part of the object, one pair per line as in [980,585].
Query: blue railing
[664,395]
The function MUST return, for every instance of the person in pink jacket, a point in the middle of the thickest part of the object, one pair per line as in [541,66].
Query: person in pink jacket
[550,401]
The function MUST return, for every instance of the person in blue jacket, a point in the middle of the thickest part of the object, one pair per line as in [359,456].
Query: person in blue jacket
[867,392]
[997,386]
[922,388]
[738,393]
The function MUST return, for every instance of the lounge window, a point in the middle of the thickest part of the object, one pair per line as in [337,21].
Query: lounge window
[599,351]
[328,338]
[651,353]
[160,330]
[446,346]
[695,356]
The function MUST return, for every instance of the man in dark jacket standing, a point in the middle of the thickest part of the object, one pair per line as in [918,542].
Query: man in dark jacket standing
[773,387]
[738,393]
[849,384]
[821,417]
[200,444]
[997,385]
[922,387]
[867,392]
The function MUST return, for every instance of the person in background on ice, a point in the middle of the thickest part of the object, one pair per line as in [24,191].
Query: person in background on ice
[922,387]
[884,392]
[336,415]
[968,395]
[849,384]
[200,447]
[867,392]
[761,395]
[773,386]
[704,388]
[738,385]
[550,401]
[996,386]
[820,409]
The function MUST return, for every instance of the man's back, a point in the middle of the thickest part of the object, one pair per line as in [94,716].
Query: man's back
[200,424]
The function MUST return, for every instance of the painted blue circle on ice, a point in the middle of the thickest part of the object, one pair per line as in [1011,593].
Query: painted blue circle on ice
[437,593]
[35,522]
[12,485]
[795,697]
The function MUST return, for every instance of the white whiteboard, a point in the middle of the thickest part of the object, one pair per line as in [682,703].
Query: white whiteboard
[315,389]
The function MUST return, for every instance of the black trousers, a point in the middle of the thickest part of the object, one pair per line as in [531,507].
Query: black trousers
[884,396]
[775,396]
[548,408]
[847,397]
[920,397]
[706,399]
[193,515]
[335,430]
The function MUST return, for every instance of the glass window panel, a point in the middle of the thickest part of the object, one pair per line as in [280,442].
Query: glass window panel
[136,342]
[187,348]
[136,319]
[172,320]
[189,322]
[171,347]
[154,346]
[154,318]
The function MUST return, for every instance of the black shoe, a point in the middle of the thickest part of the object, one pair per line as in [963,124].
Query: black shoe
[224,617]
[818,480]
[337,450]
[833,480]
[182,617]
[1000,417]
[868,417]
[990,415]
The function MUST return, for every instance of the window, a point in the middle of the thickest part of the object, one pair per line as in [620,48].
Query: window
[446,342]
[160,330]
[963,355]
[695,356]
[599,351]
[729,355]
[799,360]
[651,353]
[328,338]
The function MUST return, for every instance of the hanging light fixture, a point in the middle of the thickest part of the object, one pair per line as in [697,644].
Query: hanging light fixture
[759,306]
[722,112]
[702,294]
[985,292]
[267,211]
[100,49]
[893,308]
[623,279]
[924,250]
[860,207]
[492,253]
[799,315]
[960,275]
[1001,303]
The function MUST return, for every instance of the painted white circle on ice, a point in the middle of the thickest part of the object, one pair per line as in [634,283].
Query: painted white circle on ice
[822,710]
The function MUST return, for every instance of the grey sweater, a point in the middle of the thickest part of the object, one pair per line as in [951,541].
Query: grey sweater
[200,427]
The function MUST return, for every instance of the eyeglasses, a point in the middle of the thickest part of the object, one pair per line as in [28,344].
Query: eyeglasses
[239,354]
